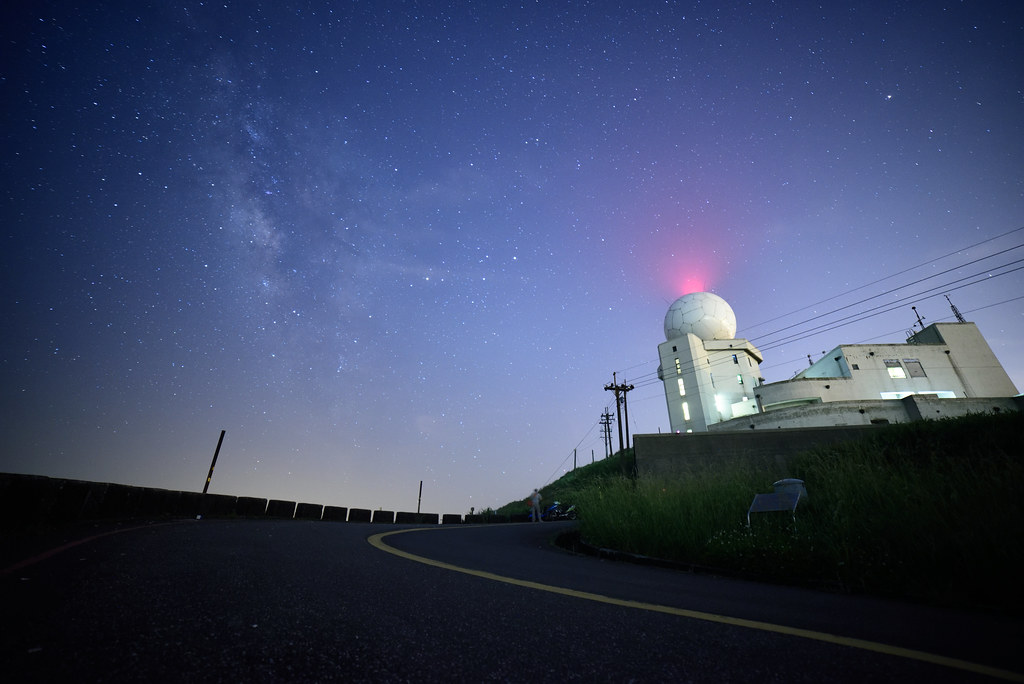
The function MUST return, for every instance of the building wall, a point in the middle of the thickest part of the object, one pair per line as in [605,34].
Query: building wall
[719,377]
[972,359]
[868,412]
[945,357]
[681,358]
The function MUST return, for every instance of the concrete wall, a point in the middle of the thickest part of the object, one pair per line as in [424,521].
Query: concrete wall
[920,407]
[773,438]
[32,500]
[839,413]
[674,455]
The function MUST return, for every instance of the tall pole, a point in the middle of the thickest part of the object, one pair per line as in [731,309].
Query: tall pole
[618,419]
[606,430]
[213,463]
[623,389]
[420,499]
[625,411]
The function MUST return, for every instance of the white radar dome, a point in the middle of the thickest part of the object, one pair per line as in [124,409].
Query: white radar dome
[703,314]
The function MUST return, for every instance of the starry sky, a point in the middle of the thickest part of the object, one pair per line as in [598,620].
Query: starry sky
[381,243]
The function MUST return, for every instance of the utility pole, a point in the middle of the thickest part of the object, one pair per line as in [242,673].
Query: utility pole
[606,430]
[625,414]
[213,463]
[619,389]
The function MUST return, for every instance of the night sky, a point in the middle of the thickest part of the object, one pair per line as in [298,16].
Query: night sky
[386,242]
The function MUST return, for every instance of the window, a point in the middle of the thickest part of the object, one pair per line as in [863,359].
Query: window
[679,368]
[894,395]
[682,390]
[739,379]
[895,369]
[938,394]
[686,411]
[735,360]
[914,368]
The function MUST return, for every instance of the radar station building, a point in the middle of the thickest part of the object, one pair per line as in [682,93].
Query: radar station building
[712,381]
[709,376]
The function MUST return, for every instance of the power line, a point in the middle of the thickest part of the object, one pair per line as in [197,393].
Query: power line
[896,289]
[888,277]
[860,316]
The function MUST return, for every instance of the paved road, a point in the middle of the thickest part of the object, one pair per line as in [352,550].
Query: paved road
[284,601]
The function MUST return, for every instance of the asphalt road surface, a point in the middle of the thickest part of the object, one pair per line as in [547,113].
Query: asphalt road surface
[289,601]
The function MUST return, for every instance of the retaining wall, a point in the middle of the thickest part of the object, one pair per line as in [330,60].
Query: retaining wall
[30,500]
[381,516]
[675,455]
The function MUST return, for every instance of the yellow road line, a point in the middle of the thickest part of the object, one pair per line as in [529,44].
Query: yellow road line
[377,541]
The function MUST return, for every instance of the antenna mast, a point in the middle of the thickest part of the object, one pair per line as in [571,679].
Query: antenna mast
[956,311]
[920,320]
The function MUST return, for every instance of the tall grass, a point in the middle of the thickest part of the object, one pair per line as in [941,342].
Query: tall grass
[929,510]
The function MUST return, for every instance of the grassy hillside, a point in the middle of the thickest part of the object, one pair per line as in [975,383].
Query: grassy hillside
[566,488]
[929,510]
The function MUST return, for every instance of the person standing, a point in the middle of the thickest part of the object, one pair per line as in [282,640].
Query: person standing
[535,505]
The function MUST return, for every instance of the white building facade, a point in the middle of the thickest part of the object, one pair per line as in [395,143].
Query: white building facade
[709,376]
[712,380]
[944,361]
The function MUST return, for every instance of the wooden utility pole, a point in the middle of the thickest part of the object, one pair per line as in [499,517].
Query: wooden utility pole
[606,429]
[619,389]
[625,413]
[214,462]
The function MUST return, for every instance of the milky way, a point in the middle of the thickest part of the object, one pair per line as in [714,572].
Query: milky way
[386,242]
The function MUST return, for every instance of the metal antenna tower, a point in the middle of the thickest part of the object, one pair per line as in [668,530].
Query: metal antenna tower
[956,311]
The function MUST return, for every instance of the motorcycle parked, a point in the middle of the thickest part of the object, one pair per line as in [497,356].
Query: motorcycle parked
[557,511]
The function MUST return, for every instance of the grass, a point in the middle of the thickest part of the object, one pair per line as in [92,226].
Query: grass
[566,488]
[929,511]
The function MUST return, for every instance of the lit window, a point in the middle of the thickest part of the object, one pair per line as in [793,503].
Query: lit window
[895,369]
[686,411]
[682,390]
[739,378]
[679,368]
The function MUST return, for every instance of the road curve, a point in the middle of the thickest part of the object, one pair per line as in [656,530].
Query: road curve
[282,601]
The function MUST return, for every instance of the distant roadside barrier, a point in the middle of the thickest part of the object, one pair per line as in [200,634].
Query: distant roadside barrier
[34,500]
